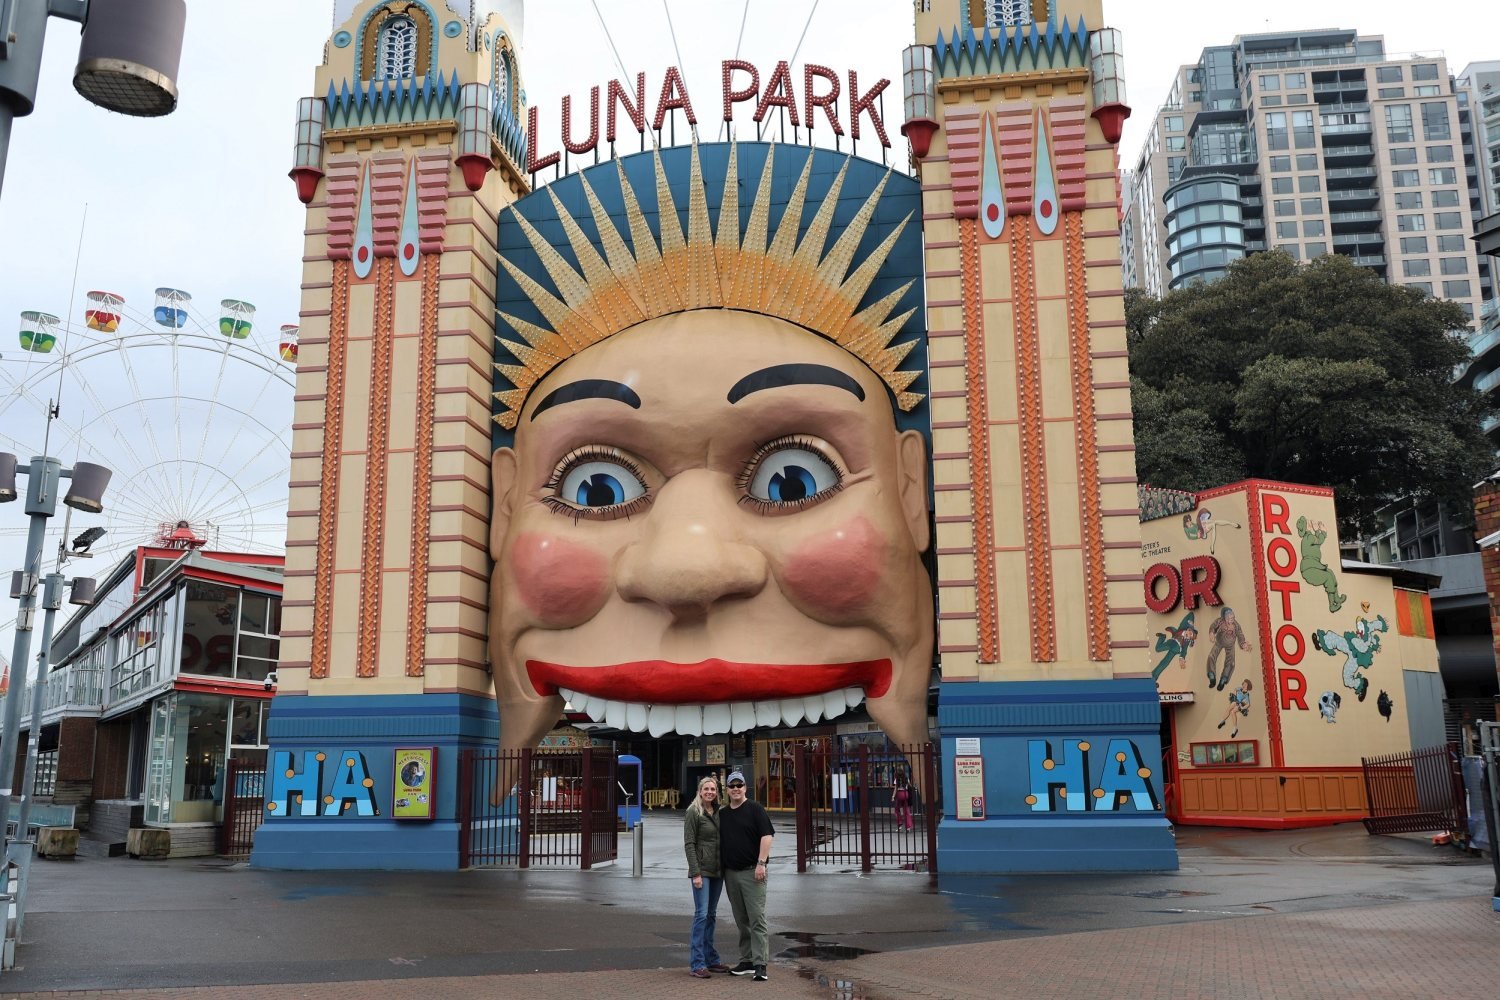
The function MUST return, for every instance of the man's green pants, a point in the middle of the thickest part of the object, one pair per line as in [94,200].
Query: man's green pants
[747,898]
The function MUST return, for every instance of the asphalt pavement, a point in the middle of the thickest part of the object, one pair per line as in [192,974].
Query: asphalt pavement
[1324,912]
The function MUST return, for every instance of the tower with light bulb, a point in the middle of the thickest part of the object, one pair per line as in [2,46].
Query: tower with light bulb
[406,150]
[1047,712]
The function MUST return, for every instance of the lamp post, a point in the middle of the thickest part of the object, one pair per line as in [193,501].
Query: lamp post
[86,492]
[127,59]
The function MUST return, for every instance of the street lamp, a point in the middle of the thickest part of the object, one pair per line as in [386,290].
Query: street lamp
[86,492]
[127,59]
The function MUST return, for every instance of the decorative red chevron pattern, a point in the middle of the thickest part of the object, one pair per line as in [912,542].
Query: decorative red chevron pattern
[963,161]
[387,174]
[1016,125]
[342,188]
[432,198]
[1068,152]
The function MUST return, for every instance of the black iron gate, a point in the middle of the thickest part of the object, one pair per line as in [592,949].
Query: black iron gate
[1416,791]
[866,807]
[244,803]
[534,808]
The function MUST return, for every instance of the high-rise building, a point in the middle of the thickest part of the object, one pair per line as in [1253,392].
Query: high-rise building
[1313,142]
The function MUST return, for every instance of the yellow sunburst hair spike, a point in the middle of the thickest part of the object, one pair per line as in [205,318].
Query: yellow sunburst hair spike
[759,271]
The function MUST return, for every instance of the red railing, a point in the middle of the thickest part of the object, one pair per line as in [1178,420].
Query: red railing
[851,809]
[244,803]
[1416,791]
[536,808]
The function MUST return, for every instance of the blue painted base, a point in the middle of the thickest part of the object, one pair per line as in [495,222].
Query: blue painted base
[1071,778]
[317,738]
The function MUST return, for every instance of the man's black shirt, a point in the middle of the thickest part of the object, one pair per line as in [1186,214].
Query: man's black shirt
[740,831]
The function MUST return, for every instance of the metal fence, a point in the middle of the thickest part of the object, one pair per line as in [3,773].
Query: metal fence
[244,802]
[530,808]
[867,808]
[1416,791]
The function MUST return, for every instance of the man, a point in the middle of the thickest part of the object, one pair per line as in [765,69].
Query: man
[745,834]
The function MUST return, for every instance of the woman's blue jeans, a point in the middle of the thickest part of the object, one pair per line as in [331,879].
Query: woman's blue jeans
[705,916]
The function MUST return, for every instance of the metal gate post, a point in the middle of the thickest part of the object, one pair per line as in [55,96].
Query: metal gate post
[804,808]
[1489,751]
[465,805]
[226,831]
[866,862]
[524,806]
[932,805]
[586,816]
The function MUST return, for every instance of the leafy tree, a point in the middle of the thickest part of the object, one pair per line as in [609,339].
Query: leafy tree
[1315,373]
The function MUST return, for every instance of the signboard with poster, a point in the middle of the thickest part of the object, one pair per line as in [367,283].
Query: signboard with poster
[413,789]
[968,787]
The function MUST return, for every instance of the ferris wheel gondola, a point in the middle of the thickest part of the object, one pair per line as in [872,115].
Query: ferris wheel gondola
[38,332]
[289,343]
[103,313]
[235,318]
[171,308]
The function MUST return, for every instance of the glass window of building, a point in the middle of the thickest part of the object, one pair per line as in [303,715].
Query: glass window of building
[1296,80]
[1291,250]
[1286,206]
[1447,220]
[1316,250]
[1176,143]
[1445,199]
[1174,123]
[1281,185]
[1408,199]
[1406,178]
[1413,244]
[1417,267]
[1270,81]
[1280,164]
[1296,98]
[1439,154]
[1276,136]
[259,646]
[1451,244]
[1392,93]
[1307,161]
[396,54]
[1427,90]
[208,629]
[1467,307]
[1271,101]
[1286,230]
[1312,227]
[1174,167]
[1424,71]
[1312,206]
[1435,121]
[1442,175]
[1425,287]
[1404,156]
[1456,289]
[1302,129]
[1309,183]
[1388,74]
[1455,265]
[1398,123]
[1411,223]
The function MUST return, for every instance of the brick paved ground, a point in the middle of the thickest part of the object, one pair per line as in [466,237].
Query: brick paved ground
[1447,948]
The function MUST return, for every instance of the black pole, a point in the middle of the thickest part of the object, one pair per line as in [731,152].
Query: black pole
[1490,750]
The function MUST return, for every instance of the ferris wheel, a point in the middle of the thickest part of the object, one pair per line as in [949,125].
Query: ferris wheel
[192,412]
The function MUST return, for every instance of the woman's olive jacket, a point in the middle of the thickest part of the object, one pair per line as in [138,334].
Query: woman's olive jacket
[700,839]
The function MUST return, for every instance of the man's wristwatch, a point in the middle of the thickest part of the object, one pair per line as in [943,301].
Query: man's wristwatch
[762,863]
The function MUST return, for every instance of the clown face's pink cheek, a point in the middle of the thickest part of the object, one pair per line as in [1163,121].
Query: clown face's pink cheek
[560,582]
[836,574]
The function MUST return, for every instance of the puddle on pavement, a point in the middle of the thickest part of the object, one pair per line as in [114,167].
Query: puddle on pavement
[322,891]
[808,945]
[838,989]
[1163,893]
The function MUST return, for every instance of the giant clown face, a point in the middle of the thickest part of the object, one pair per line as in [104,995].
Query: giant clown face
[710,522]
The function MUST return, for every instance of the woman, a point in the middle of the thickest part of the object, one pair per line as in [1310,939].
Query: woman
[901,801]
[700,839]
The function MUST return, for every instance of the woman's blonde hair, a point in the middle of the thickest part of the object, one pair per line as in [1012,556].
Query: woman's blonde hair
[695,807]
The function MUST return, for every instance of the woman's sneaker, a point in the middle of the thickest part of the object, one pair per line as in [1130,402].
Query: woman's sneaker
[760,974]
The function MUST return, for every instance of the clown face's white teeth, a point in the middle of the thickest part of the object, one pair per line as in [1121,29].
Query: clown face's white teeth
[713,719]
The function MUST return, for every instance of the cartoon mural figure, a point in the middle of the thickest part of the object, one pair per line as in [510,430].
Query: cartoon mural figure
[1314,570]
[1175,642]
[1328,705]
[1357,647]
[1239,701]
[1207,529]
[1224,635]
[709,519]
[1384,705]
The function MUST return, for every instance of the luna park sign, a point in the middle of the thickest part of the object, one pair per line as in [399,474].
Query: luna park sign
[822,101]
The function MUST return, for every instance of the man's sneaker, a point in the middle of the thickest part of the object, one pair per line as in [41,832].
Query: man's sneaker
[718,967]
[760,974]
[743,969]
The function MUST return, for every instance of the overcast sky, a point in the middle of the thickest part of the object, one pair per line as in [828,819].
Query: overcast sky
[200,199]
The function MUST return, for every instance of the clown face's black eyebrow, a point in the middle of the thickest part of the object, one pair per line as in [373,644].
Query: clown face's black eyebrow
[796,374]
[588,388]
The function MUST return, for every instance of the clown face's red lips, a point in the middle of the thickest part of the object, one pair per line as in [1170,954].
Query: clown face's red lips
[658,682]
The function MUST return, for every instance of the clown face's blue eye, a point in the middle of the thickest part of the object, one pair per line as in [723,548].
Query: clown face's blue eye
[791,475]
[598,484]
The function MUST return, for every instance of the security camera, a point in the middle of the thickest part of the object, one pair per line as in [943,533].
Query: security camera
[271,681]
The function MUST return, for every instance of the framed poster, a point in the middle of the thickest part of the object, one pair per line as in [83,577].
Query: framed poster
[413,789]
[715,753]
[968,787]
